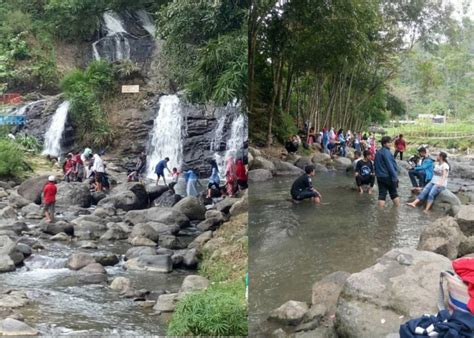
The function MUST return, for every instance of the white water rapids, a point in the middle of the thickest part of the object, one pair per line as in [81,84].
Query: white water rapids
[53,136]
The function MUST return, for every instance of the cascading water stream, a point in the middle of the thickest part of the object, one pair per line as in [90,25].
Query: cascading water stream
[20,111]
[147,22]
[166,140]
[53,136]
[116,31]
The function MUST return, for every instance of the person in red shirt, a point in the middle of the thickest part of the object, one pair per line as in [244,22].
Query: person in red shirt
[68,168]
[49,199]
[400,147]
[241,174]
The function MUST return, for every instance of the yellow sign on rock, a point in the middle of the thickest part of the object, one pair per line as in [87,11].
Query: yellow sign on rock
[130,89]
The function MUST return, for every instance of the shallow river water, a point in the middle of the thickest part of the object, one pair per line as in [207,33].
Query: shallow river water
[292,246]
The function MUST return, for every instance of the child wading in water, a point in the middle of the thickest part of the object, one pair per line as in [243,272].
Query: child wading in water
[49,199]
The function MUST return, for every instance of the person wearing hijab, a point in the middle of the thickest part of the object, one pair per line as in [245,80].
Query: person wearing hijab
[241,173]
[230,176]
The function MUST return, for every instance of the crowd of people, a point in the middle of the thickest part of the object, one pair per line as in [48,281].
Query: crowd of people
[428,177]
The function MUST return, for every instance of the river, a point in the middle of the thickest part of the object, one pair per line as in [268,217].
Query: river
[292,246]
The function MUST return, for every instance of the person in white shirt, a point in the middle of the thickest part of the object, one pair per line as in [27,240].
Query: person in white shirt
[437,184]
[99,170]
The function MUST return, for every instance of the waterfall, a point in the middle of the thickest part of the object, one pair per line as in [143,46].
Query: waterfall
[166,140]
[53,136]
[21,110]
[146,21]
[235,142]
[218,133]
[115,40]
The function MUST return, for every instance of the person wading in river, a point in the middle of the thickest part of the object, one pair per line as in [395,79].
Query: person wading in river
[364,173]
[160,170]
[386,173]
[49,199]
[303,188]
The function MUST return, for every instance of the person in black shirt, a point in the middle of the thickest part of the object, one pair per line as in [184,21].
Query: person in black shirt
[365,173]
[302,187]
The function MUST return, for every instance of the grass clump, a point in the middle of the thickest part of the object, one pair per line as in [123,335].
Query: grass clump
[12,159]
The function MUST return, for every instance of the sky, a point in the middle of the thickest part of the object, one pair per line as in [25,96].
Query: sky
[459,4]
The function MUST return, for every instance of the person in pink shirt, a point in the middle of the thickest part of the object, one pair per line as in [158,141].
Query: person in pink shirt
[400,147]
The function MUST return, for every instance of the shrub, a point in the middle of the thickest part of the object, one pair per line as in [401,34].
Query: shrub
[11,159]
[217,311]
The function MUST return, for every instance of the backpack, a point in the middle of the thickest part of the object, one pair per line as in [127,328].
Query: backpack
[458,295]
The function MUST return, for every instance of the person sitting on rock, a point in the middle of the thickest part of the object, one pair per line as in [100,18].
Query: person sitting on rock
[49,199]
[365,173]
[421,174]
[302,187]
[437,184]
[291,145]
[174,179]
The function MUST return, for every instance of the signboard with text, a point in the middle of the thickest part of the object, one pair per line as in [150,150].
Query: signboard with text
[130,89]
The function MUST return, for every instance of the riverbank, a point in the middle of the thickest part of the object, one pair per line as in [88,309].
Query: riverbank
[113,263]
[321,251]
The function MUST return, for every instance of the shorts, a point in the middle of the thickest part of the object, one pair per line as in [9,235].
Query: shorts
[305,195]
[49,208]
[98,176]
[212,184]
[161,173]
[387,185]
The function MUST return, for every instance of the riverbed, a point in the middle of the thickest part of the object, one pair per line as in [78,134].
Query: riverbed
[294,245]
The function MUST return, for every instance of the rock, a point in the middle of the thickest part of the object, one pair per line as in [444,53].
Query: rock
[8,213]
[465,219]
[166,216]
[168,199]
[327,290]
[200,240]
[241,206]
[170,242]
[259,175]
[58,227]
[303,161]
[24,249]
[141,241]
[193,283]
[466,247]
[446,201]
[88,245]
[93,273]
[342,163]
[166,302]
[13,327]
[120,284]
[140,251]
[79,260]
[13,299]
[209,224]
[154,263]
[144,230]
[114,232]
[104,212]
[73,193]
[402,285]
[315,313]
[31,209]
[290,313]
[155,191]
[97,196]
[127,196]
[8,248]
[177,258]
[214,214]
[17,201]
[164,251]
[442,236]
[190,259]
[6,263]
[88,227]
[321,158]
[61,237]
[283,168]
[32,188]
[94,268]
[107,259]
[191,207]
[225,205]
[262,163]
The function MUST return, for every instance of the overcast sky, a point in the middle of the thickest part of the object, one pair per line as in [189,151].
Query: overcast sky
[460,4]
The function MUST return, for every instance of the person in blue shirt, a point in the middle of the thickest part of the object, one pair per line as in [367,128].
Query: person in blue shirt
[160,169]
[342,142]
[214,179]
[325,141]
[422,172]
[192,180]
[386,173]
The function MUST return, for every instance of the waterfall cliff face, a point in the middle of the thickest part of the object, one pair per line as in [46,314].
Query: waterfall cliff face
[54,134]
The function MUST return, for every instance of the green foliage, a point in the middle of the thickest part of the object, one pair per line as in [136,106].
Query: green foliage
[218,311]
[11,159]
[284,127]
[206,47]
[28,142]
[85,89]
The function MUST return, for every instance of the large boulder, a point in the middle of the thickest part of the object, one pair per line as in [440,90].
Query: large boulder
[9,248]
[290,313]
[6,263]
[154,191]
[167,200]
[321,158]
[13,327]
[302,162]
[166,216]
[262,163]
[79,260]
[241,205]
[446,201]
[88,229]
[193,283]
[7,213]
[17,201]
[191,207]
[127,196]
[73,193]
[342,163]
[58,227]
[120,284]
[166,302]
[465,219]
[144,230]
[140,251]
[400,286]
[259,175]
[327,290]
[442,236]
[225,205]
[32,188]
[283,168]
[154,263]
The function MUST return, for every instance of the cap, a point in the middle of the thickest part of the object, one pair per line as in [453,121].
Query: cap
[52,178]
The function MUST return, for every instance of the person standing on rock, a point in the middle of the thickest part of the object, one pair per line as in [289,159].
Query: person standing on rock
[400,147]
[437,184]
[68,168]
[49,199]
[386,173]
[242,176]
[302,187]
[99,171]
[214,179]
[192,180]
[160,170]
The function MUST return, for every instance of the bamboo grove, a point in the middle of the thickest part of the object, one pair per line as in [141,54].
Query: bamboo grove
[328,62]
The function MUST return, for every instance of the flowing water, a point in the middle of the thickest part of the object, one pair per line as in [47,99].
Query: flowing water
[166,138]
[21,110]
[53,136]
[63,304]
[147,22]
[292,246]
[116,44]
